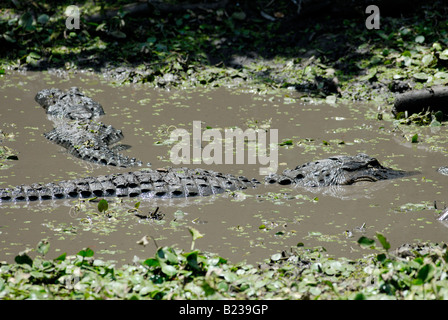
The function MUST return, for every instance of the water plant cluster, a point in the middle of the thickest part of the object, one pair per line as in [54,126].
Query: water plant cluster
[410,272]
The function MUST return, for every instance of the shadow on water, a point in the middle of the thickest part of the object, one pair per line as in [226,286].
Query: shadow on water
[249,224]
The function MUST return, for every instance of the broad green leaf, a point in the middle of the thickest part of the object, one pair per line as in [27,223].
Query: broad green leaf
[276,256]
[370,75]
[444,55]
[192,260]
[195,233]
[103,205]
[427,59]
[23,259]
[426,272]
[61,257]
[170,271]
[366,242]
[87,253]
[420,39]
[421,76]
[43,246]
[151,262]
[26,21]
[43,19]
[383,241]
[286,143]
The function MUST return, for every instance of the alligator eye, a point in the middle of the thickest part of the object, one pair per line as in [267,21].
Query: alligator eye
[300,176]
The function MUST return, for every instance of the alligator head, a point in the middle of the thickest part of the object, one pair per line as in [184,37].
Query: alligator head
[336,171]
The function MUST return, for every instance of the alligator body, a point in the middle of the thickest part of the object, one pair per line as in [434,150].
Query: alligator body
[76,127]
[161,183]
[184,182]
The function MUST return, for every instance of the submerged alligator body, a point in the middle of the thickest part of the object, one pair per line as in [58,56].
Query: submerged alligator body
[161,183]
[76,127]
[184,182]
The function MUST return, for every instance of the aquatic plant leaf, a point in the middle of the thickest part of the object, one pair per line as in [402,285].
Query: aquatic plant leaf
[43,19]
[421,76]
[383,241]
[276,256]
[444,55]
[87,253]
[427,59]
[61,257]
[23,259]
[286,143]
[425,273]
[169,270]
[43,246]
[195,233]
[151,262]
[420,39]
[365,242]
[192,260]
[103,205]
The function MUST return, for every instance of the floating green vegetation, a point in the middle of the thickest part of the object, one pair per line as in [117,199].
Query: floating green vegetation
[413,207]
[409,272]
[103,217]
[283,198]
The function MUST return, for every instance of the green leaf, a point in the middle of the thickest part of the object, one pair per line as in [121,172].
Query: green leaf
[103,205]
[9,38]
[23,259]
[61,257]
[365,242]
[276,256]
[414,138]
[195,233]
[383,241]
[167,255]
[43,246]
[170,271]
[427,59]
[87,253]
[192,260]
[370,75]
[286,143]
[425,273]
[151,262]
[420,39]
[435,123]
[444,55]
[118,34]
[137,205]
[43,19]
[421,76]
[26,21]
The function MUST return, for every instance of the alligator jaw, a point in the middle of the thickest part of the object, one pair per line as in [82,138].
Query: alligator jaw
[363,178]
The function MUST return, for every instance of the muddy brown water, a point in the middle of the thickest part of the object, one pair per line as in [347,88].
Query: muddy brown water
[249,225]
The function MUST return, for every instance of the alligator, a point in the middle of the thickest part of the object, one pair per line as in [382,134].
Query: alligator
[75,117]
[185,182]
[78,130]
